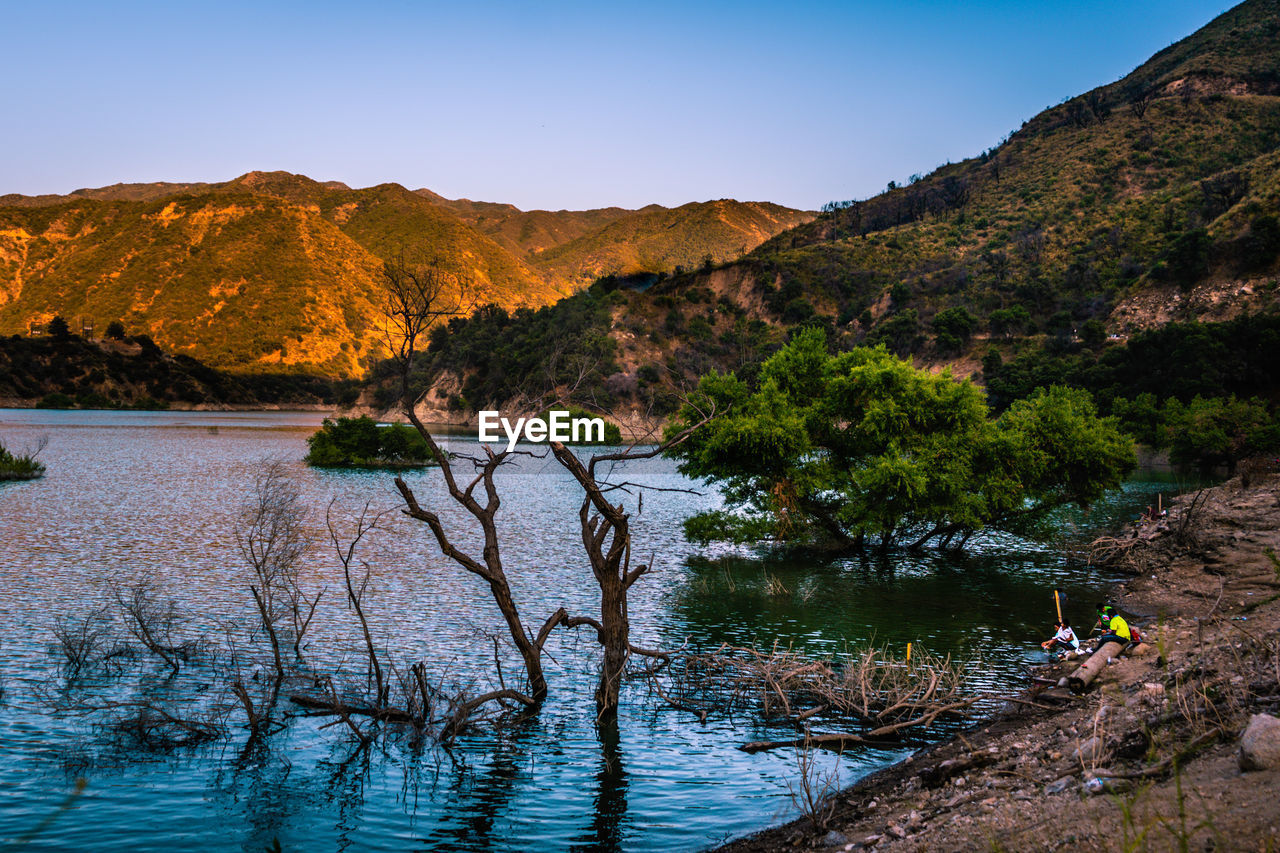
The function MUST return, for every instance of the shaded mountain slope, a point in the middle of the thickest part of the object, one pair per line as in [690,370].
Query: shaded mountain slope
[1152,200]
[657,240]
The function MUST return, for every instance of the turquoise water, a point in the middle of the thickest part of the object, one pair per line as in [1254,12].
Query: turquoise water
[127,492]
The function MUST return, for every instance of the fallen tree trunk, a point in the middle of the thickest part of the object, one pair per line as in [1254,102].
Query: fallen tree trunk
[835,742]
[330,706]
[1090,669]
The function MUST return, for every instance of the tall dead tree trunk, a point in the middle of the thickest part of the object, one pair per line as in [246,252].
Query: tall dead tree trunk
[489,566]
[606,537]
[418,295]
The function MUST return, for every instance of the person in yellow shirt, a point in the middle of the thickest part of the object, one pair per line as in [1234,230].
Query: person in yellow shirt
[1117,629]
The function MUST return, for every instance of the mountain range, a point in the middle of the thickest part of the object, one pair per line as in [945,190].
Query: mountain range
[1151,200]
[275,271]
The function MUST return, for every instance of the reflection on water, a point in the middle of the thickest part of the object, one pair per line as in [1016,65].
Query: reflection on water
[133,491]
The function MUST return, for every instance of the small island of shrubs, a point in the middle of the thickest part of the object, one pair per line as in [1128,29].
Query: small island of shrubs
[612,432]
[24,467]
[364,443]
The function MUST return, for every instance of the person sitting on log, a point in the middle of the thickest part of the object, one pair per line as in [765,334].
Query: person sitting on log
[1065,638]
[1116,629]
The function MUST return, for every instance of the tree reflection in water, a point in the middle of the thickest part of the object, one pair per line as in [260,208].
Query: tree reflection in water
[609,817]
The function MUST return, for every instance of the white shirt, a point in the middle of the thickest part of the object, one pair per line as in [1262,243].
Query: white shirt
[1066,635]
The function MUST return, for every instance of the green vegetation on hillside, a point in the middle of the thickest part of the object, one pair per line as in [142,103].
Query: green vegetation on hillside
[526,354]
[1180,360]
[860,448]
[365,443]
[132,372]
[1153,200]
[1207,432]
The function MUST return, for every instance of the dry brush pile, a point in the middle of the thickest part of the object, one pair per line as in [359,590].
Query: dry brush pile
[883,694]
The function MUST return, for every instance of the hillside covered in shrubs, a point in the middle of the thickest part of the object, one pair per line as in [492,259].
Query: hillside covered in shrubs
[61,370]
[1056,256]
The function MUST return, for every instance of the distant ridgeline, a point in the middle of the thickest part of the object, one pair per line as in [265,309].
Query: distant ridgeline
[67,371]
[275,272]
[1151,201]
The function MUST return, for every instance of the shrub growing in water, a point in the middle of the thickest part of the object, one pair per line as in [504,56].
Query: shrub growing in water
[19,467]
[364,443]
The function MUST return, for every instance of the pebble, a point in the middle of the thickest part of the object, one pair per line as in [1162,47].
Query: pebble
[896,831]
[1059,785]
[834,839]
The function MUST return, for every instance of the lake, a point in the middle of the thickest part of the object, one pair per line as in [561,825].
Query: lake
[159,492]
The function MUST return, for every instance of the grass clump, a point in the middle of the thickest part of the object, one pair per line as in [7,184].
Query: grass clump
[364,443]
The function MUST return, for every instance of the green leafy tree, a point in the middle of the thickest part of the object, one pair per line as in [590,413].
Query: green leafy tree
[899,333]
[953,326]
[861,448]
[1212,431]
[1141,417]
[1093,333]
[1010,321]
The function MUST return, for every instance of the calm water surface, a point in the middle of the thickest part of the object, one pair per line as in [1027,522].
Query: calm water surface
[129,492]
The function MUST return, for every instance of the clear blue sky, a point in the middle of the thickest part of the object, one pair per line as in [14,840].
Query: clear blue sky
[550,105]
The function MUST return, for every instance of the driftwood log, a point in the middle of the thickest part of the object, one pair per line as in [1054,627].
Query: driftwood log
[1089,670]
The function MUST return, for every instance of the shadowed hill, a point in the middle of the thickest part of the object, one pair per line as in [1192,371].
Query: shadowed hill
[1149,201]
[1164,182]
[658,239]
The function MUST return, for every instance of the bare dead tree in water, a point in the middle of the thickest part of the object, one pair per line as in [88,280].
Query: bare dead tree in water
[85,640]
[418,295]
[605,526]
[488,565]
[606,537]
[357,586]
[271,535]
[154,621]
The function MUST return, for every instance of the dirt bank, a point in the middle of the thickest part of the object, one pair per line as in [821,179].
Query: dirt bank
[1147,758]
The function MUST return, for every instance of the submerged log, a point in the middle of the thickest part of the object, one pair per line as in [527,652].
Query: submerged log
[323,706]
[835,742]
[1090,669]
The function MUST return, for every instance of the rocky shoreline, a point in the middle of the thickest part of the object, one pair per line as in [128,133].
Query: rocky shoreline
[1150,757]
